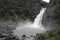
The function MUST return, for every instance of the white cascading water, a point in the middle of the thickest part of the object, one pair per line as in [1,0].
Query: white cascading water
[38,19]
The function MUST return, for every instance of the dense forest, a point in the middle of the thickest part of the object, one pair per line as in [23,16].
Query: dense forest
[12,11]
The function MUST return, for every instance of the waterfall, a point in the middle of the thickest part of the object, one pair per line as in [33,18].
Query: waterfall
[30,28]
[37,22]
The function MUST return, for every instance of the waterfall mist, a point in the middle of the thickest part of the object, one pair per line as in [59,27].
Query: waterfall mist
[31,28]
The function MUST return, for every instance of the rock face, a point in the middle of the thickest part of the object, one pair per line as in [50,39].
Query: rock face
[57,14]
[51,17]
[6,33]
[48,18]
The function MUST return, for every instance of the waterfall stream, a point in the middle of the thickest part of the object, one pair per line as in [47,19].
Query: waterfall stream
[38,19]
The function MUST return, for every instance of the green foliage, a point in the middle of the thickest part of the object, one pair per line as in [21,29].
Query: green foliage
[38,36]
[10,7]
[51,35]
[54,34]
[57,37]
[19,7]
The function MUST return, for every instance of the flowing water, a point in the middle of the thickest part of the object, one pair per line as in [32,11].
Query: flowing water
[38,19]
[29,28]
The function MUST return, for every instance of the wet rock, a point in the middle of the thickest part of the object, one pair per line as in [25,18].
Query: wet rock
[51,17]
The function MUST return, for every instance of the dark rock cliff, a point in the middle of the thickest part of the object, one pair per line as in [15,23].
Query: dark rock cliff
[51,17]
